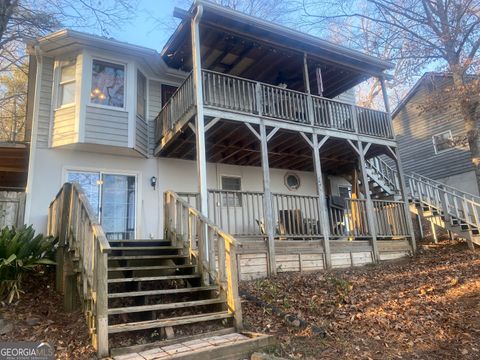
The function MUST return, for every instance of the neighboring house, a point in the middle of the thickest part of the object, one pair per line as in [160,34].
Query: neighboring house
[423,136]
[98,120]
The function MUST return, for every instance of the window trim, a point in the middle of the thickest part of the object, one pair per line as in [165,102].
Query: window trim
[60,83]
[125,76]
[145,100]
[435,145]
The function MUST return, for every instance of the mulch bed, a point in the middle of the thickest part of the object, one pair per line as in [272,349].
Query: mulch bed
[42,307]
[426,307]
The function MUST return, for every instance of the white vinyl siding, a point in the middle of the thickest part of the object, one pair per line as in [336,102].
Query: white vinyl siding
[106,126]
[154,107]
[45,102]
[64,131]
[141,136]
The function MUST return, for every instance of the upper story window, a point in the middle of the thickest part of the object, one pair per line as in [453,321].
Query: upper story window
[108,84]
[141,95]
[66,86]
[442,141]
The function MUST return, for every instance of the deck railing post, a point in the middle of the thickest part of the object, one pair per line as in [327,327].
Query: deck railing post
[372,224]
[102,303]
[267,200]
[259,98]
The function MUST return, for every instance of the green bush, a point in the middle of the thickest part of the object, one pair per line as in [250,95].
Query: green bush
[21,252]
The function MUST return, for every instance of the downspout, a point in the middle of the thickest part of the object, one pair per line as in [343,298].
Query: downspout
[33,140]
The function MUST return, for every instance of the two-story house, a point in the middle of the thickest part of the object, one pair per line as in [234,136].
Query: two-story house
[233,141]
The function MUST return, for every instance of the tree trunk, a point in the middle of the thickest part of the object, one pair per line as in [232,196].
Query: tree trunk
[470,109]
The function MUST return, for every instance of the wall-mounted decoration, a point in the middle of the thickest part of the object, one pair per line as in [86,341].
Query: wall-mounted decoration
[292,181]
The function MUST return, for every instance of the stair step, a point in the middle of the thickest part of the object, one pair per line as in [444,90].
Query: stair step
[140,248]
[156,267]
[146,257]
[162,292]
[154,278]
[139,241]
[161,323]
[167,306]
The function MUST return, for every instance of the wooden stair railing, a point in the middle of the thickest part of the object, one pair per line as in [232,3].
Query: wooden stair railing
[457,208]
[213,250]
[82,259]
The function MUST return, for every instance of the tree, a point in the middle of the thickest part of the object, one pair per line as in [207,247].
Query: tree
[439,34]
[21,20]
[13,105]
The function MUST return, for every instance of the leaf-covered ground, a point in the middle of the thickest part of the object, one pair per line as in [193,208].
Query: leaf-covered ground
[426,307]
[38,316]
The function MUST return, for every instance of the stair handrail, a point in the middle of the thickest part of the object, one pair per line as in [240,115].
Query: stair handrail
[188,227]
[81,239]
[459,192]
[385,171]
[450,203]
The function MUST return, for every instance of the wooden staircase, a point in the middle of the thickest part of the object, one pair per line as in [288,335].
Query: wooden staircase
[432,201]
[152,298]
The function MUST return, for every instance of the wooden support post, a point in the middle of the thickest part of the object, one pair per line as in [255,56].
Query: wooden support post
[369,204]
[199,117]
[267,199]
[420,226]
[434,232]
[403,191]
[321,200]
[102,304]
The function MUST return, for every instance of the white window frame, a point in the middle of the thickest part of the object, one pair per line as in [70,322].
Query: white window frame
[125,83]
[60,83]
[238,203]
[435,145]
[138,189]
[144,118]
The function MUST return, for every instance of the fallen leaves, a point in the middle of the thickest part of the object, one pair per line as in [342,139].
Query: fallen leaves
[427,307]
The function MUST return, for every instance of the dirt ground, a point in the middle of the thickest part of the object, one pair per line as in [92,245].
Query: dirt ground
[425,307]
[38,316]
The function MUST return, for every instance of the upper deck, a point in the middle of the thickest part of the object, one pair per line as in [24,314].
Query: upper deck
[251,71]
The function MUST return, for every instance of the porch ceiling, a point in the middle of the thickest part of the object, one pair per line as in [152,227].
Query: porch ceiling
[245,47]
[230,142]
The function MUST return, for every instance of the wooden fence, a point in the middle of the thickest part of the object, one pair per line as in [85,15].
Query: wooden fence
[12,208]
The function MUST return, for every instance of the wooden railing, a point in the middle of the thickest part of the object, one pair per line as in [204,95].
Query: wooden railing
[182,100]
[390,218]
[81,239]
[296,215]
[349,221]
[284,104]
[234,93]
[454,205]
[213,250]
[384,171]
[374,122]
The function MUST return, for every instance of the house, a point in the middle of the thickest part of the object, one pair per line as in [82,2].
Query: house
[231,145]
[423,136]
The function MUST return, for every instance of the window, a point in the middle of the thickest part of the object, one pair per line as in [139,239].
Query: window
[66,86]
[231,184]
[292,181]
[345,192]
[108,84]
[141,95]
[442,141]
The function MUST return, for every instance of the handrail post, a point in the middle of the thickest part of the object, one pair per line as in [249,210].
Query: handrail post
[259,98]
[102,303]
[233,299]
[354,118]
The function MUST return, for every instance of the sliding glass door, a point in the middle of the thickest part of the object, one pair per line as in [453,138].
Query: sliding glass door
[112,198]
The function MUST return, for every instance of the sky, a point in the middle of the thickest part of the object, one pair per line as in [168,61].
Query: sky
[144,29]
